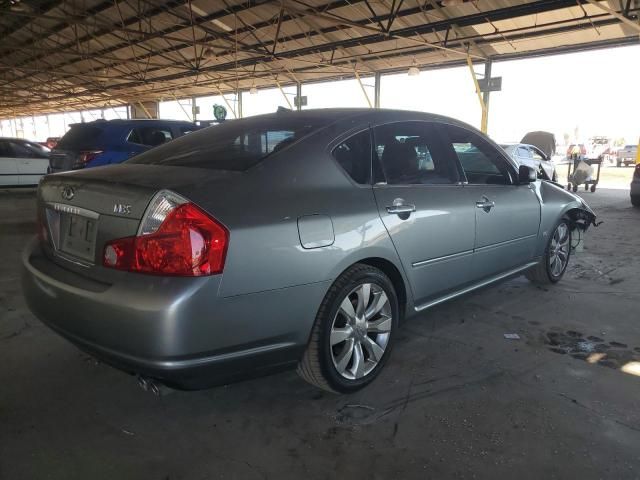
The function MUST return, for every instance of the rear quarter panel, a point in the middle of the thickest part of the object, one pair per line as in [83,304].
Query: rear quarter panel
[265,250]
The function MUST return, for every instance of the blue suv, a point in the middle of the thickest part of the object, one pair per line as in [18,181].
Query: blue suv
[112,141]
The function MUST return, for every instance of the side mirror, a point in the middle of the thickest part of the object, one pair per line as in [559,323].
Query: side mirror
[526,175]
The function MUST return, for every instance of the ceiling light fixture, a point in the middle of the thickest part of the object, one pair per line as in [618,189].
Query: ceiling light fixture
[253,90]
[413,71]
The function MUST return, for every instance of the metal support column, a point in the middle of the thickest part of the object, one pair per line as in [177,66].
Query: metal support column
[194,109]
[486,96]
[376,90]
[299,96]
[239,103]
[364,90]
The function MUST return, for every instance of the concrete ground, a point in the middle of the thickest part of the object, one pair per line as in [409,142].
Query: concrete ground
[456,400]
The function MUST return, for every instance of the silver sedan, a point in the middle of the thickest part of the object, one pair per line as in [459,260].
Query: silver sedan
[296,239]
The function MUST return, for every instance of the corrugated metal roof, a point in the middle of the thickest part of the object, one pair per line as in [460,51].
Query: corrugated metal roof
[56,55]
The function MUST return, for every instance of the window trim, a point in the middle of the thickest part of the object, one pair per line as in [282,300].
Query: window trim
[343,137]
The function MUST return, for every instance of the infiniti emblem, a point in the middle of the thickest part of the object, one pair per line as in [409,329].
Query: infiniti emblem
[68,193]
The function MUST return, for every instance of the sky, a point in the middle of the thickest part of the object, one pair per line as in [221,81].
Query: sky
[580,94]
[586,91]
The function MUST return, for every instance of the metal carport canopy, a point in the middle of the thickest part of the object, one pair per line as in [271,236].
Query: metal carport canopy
[63,55]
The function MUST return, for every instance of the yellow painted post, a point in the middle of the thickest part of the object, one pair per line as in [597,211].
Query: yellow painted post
[144,109]
[485,118]
[364,90]
[638,153]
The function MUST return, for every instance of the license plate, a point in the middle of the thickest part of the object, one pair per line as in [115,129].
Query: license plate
[78,236]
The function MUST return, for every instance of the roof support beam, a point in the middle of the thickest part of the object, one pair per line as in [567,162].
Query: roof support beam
[624,19]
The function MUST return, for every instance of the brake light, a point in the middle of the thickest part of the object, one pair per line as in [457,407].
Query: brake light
[87,155]
[636,172]
[174,239]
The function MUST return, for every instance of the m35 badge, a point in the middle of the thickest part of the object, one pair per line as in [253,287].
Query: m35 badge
[122,209]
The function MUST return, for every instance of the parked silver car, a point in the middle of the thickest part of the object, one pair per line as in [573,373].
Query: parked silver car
[291,239]
[533,157]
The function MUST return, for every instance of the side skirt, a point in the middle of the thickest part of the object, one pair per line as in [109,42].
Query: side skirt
[484,283]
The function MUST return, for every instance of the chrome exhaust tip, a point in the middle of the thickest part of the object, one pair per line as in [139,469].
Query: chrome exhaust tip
[153,386]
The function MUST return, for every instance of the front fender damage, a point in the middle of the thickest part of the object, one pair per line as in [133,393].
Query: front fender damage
[582,218]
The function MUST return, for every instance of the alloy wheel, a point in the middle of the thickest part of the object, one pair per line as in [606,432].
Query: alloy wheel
[559,250]
[360,331]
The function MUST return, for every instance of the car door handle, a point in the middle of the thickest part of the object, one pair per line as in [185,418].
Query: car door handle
[402,208]
[486,204]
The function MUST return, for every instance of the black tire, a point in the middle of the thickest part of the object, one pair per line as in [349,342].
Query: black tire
[575,188]
[541,273]
[635,200]
[618,164]
[554,177]
[317,365]
[593,188]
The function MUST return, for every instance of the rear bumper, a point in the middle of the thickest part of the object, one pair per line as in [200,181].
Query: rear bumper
[635,188]
[176,330]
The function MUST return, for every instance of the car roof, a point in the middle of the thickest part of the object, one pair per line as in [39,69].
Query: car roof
[344,113]
[132,121]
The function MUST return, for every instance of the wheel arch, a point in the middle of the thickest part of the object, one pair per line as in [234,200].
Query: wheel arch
[391,271]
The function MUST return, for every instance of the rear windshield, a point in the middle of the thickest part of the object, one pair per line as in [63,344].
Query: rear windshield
[80,137]
[235,145]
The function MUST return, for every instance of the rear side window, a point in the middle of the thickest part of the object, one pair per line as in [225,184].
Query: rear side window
[481,162]
[150,136]
[80,137]
[354,156]
[410,153]
[234,145]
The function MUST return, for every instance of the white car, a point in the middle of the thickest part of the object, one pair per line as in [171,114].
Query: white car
[532,157]
[22,162]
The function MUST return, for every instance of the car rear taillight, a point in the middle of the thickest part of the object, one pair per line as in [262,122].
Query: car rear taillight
[87,155]
[636,172]
[175,237]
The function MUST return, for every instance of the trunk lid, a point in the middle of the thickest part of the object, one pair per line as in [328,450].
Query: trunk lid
[81,211]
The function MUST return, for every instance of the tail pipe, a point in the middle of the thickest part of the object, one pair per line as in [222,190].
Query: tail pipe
[153,386]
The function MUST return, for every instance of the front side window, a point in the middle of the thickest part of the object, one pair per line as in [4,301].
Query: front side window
[481,162]
[410,153]
[354,156]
